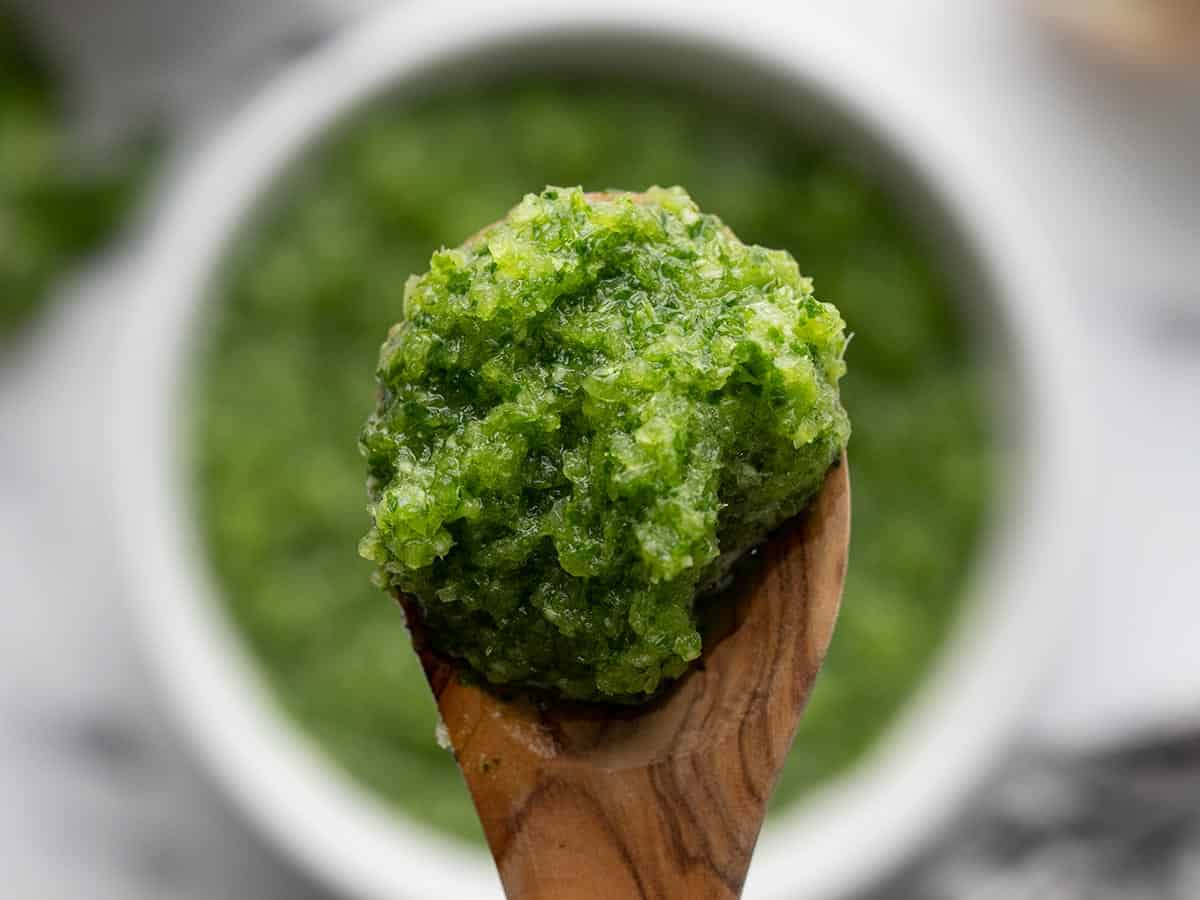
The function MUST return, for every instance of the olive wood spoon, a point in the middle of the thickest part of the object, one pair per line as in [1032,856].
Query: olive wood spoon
[665,800]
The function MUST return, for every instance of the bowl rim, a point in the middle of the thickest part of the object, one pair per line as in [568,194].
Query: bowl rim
[217,698]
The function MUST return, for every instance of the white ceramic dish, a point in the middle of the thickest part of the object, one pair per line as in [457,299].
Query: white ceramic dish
[975,697]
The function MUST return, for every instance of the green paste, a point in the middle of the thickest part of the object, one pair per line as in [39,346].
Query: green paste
[286,378]
[587,413]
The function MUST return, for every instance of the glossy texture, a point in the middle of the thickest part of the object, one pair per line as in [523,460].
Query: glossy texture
[588,412]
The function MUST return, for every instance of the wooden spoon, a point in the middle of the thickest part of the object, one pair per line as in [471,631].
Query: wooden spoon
[666,800]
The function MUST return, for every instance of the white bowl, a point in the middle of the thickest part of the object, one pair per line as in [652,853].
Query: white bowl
[974,699]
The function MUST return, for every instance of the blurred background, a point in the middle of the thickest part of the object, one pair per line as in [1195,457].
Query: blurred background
[1092,110]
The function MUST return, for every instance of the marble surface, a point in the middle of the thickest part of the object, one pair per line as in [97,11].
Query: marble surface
[101,801]
[1116,826]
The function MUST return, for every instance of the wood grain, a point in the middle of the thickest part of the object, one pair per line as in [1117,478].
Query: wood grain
[664,801]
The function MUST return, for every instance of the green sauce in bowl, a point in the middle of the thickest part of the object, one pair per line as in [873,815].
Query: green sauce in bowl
[285,378]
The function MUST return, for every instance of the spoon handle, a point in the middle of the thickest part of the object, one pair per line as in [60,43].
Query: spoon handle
[562,828]
[638,834]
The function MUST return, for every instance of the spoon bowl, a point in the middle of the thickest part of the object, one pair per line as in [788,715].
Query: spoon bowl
[667,799]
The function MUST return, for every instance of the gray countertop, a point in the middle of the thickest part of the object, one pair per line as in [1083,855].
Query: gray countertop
[101,802]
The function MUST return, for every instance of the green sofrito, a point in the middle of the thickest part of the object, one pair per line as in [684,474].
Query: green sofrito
[587,413]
